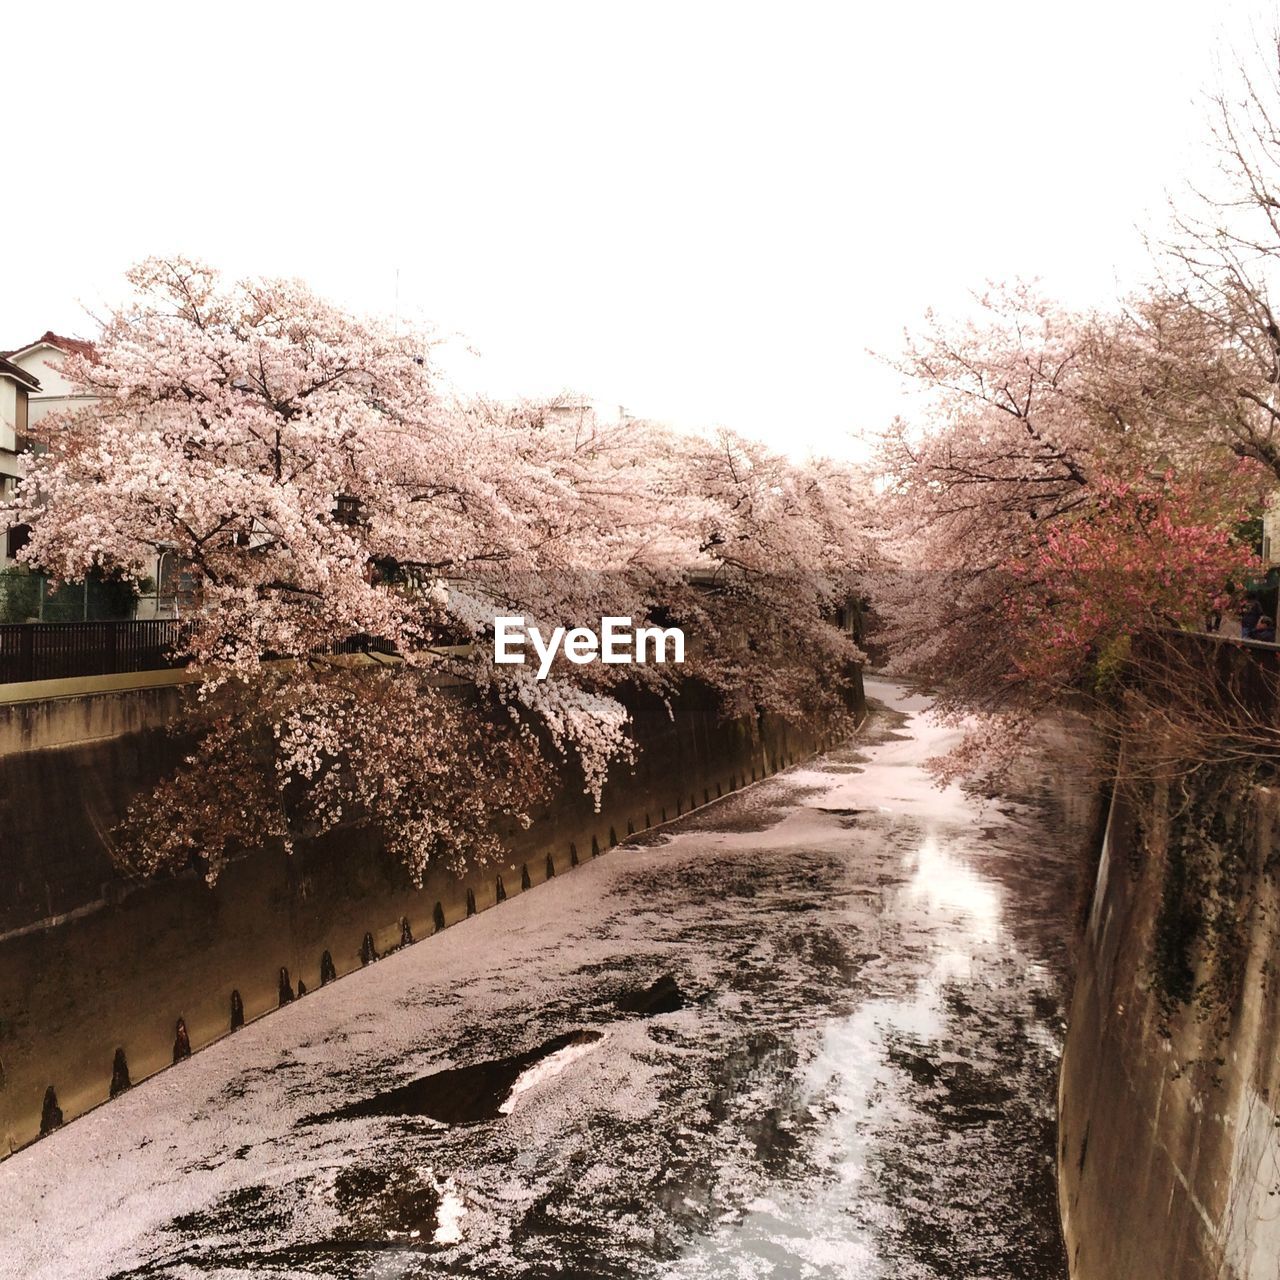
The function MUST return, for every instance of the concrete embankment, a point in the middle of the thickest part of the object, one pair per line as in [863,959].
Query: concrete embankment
[1169,1141]
[808,1031]
[92,963]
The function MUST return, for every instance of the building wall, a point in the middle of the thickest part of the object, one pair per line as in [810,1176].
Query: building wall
[1271,532]
[11,412]
[8,413]
[56,393]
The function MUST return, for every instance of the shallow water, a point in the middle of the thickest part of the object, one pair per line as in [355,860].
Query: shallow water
[812,1031]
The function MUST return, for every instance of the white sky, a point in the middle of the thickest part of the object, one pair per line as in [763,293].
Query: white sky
[706,212]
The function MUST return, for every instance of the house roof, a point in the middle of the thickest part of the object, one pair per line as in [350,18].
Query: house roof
[72,346]
[10,370]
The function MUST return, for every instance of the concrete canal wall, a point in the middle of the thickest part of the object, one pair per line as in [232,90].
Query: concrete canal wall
[92,963]
[1169,1141]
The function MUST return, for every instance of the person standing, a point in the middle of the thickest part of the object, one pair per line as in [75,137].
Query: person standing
[1250,618]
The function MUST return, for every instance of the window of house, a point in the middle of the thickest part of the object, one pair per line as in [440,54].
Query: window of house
[347,509]
[17,538]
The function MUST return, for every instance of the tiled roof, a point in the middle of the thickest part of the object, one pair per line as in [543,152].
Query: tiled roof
[77,346]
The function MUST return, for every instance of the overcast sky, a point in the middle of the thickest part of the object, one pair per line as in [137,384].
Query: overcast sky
[706,212]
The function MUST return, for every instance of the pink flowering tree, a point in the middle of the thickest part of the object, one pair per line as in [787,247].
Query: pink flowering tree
[1061,496]
[317,484]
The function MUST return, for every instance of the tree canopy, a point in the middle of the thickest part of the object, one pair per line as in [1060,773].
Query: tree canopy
[317,482]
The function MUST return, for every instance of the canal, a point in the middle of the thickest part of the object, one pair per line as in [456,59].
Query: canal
[811,1030]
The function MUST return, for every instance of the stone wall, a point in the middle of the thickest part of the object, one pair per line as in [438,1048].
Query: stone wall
[91,962]
[1169,1125]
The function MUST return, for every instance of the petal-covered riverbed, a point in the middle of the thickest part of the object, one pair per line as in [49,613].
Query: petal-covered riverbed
[810,1031]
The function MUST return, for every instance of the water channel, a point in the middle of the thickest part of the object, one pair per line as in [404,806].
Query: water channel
[811,1030]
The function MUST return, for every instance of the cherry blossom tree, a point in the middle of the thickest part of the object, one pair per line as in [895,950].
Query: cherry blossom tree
[306,752]
[1078,478]
[1061,497]
[1219,261]
[245,428]
[318,485]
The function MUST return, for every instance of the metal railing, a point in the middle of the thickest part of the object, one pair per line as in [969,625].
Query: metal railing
[362,644]
[58,650]
[1241,678]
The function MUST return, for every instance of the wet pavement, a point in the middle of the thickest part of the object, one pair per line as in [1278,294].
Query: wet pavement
[810,1031]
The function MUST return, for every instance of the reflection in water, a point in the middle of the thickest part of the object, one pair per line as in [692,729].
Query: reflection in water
[943,884]
[812,1035]
[903,1071]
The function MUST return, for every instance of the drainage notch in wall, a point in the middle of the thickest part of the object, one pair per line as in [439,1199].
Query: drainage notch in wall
[119,1075]
[474,1094]
[50,1112]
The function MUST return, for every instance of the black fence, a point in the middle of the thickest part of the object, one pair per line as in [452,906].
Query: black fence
[363,644]
[56,650]
[1224,682]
